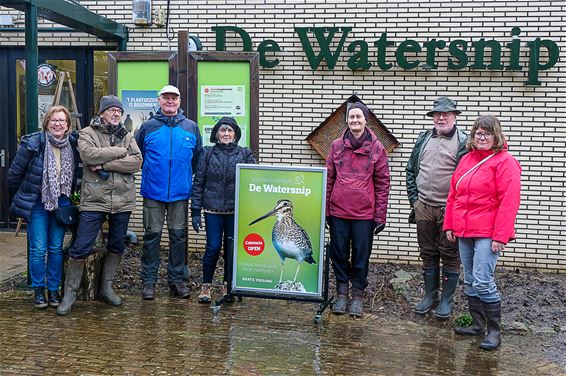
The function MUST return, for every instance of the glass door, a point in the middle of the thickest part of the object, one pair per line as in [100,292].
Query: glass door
[48,78]
[52,61]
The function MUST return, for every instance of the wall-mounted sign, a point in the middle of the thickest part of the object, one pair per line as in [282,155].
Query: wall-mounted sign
[136,78]
[224,84]
[279,231]
[330,42]
[45,75]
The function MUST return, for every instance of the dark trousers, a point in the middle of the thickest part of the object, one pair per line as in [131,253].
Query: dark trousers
[346,234]
[434,247]
[219,227]
[90,223]
[154,213]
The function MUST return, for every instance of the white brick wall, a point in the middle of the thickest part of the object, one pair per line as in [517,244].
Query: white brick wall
[294,99]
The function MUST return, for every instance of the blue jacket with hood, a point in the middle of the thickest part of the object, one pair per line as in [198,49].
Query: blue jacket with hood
[171,147]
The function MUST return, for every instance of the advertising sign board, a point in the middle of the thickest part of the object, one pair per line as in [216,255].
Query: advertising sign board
[279,231]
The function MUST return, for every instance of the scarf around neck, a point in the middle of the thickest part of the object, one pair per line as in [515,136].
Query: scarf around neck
[357,142]
[53,186]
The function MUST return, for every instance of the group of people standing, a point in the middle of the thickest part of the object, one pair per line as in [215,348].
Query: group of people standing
[168,149]
[464,192]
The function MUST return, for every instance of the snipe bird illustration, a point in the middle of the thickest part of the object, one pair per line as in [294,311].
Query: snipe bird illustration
[289,238]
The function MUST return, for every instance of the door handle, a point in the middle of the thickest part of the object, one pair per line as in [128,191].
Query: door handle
[2,158]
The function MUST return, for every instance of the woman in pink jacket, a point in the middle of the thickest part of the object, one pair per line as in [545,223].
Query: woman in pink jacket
[480,213]
[357,189]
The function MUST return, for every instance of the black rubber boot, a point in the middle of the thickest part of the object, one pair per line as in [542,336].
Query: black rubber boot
[341,303]
[39,300]
[357,303]
[476,311]
[111,265]
[449,284]
[492,313]
[431,281]
[73,277]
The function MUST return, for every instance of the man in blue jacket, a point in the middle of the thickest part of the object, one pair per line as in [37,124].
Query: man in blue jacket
[171,145]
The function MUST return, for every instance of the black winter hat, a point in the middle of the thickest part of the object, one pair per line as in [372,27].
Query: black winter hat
[109,101]
[227,120]
[361,106]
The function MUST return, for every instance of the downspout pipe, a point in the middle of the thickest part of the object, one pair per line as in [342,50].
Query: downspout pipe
[31,68]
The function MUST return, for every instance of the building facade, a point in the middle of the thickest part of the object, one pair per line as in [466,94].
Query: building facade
[493,57]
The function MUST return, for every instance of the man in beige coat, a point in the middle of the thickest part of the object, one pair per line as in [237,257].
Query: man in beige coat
[110,156]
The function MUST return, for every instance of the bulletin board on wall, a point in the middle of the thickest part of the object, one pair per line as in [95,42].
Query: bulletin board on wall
[135,78]
[225,84]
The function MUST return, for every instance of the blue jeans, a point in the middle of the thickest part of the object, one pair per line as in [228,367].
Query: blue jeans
[218,227]
[45,239]
[478,261]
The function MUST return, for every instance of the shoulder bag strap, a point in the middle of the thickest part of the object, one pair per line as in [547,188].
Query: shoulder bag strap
[473,168]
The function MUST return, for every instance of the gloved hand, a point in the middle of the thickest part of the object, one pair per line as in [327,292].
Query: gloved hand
[378,227]
[196,223]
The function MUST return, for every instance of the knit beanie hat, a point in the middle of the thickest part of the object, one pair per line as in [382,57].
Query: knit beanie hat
[362,107]
[109,101]
[226,120]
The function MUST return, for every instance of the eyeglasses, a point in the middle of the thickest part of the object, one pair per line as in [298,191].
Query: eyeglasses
[443,114]
[115,111]
[58,121]
[485,135]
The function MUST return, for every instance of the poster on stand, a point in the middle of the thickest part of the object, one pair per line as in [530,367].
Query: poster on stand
[279,231]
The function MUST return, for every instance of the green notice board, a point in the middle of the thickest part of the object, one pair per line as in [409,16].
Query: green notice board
[137,85]
[223,89]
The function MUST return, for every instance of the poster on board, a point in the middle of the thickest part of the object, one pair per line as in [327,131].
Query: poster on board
[139,106]
[223,90]
[279,231]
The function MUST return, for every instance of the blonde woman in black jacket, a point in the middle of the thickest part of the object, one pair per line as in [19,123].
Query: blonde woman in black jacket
[214,192]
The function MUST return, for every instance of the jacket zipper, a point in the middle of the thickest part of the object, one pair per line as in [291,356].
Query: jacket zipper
[170,157]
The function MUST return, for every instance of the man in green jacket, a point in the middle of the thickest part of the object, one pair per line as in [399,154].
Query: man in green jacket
[429,170]
[110,157]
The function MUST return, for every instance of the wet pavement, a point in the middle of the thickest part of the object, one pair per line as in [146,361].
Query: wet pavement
[12,254]
[254,337]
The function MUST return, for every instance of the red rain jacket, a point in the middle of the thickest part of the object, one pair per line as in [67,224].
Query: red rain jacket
[486,202]
[357,186]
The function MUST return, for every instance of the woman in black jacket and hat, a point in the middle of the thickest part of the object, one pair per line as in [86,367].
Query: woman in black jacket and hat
[214,190]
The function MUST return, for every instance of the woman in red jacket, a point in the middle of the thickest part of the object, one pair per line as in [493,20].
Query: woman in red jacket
[357,190]
[480,213]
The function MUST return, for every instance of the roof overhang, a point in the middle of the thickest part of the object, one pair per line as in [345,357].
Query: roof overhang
[75,16]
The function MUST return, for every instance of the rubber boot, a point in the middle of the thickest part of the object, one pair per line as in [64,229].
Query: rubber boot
[73,277]
[476,311]
[449,284]
[357,303]
[111,265]
[431,281]
[341,303]
[492,313]
[39,300]
[204,295]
